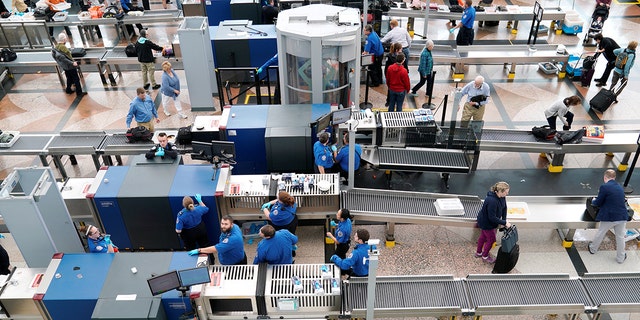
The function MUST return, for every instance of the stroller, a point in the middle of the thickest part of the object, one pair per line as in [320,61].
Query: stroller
[599,16]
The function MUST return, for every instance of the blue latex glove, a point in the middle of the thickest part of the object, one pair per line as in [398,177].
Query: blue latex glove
[107,239]
[294,247]
[333,258]
[1,236]
[452,30]
[266,206]
[160,152]
[334,148]
[193,252]
[198,197]
[260,70]
[333,223]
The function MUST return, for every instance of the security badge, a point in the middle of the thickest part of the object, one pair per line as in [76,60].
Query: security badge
[225,240]
[339,233]
[275,212]
[324,158]
[99,248]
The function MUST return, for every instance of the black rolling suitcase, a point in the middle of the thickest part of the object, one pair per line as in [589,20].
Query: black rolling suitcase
[509,251]
[586,76]
[602,100]
[506,261]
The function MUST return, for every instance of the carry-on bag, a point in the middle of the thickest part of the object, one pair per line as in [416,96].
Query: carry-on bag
[506,261]
[509,239]
[602,100]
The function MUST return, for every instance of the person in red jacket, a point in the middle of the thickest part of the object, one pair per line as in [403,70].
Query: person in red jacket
[398,83]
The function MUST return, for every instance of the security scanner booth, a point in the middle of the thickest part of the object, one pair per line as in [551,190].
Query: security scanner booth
[319,55]
[72,284]
[138,203]
[304,291]
[75,192]
[36,215]
[17,295]
[246,127]
[126,293]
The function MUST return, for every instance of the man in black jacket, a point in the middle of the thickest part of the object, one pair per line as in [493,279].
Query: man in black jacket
[144,48]
[606,45]
[63,58]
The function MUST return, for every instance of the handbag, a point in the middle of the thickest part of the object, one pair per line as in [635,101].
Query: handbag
[78,52]
[509,239]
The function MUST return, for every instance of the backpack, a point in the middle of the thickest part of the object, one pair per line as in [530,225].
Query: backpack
[184,136]
[139,133]
[78,52]
[544,133]
[621,58]
[130,50]
[7,55]
[568,137]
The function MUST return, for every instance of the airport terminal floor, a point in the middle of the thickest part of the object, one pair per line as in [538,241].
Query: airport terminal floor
[36,103]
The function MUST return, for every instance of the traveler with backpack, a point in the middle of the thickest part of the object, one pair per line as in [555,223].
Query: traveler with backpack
[560,109]
[624,61]
[143,110]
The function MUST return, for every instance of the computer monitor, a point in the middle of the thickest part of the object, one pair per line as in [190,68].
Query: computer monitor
[164,282]
[193,276]
[323,122]
[341,116]
[223,149]
[201,151]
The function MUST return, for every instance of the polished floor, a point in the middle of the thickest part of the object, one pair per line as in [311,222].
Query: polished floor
[36,103]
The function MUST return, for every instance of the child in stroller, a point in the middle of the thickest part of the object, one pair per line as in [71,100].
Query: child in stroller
[599,16]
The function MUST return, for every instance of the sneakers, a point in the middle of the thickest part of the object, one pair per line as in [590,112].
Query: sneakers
[591,250]
[156,87]
[478,254]
[182,115]
[489,259]
[146,86]
[167,113]
[413,94]
[623,259]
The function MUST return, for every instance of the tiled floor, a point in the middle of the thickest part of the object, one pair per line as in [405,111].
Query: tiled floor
[36,103]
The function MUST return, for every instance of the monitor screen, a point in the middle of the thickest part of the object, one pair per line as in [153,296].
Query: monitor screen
[164,282]
[201,151]
[341,116]
[224,149]
[190,277]
[323,122]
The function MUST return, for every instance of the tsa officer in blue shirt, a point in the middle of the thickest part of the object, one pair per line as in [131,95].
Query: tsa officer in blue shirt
[466,34]
[275,246]
[230,247]
[281,213]
[343,232]
[342,157]
[97,242]
[189,224]
[373,46]
[322,154]
[357,263]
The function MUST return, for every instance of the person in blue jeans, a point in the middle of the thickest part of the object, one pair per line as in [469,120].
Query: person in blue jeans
[398,83]
[612,213]
[357,263]
[492,215]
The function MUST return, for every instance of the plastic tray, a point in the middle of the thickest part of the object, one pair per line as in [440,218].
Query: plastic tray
[251,229]
[16,135]
[547,67]
[449,207]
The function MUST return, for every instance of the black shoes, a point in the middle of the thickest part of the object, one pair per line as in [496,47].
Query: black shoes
[156,87]
[597,80]
[601,84]
[146,86]
[68,91]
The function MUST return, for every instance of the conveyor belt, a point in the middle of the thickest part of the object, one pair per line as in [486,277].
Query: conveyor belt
[409,296]
[527,294]
[76,143]
[29,144]
[405,207]
[423,159]
[117,144]
[613,293]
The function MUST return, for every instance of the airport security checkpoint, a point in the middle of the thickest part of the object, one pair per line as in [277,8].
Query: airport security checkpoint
[243,157]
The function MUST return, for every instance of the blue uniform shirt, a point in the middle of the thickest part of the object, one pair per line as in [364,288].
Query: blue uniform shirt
[281,214]
[277,249]
[373,44]
[343,157]
[468,17]
[98,246]
[189,219]
[230,246]
[322,155]
[358,261]
[343,231]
